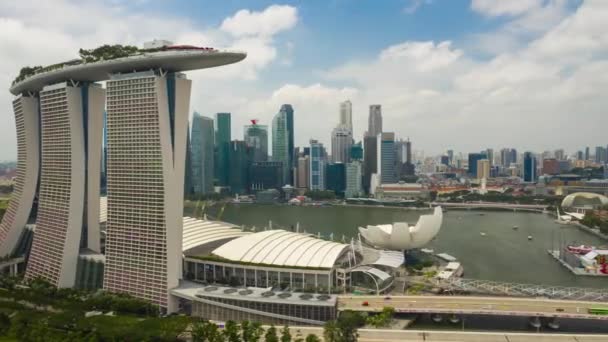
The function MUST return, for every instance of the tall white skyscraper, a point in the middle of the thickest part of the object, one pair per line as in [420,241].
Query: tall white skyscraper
[146,161]
[346,114]
[374,125]
[341,142]
[28,147]
[71,117]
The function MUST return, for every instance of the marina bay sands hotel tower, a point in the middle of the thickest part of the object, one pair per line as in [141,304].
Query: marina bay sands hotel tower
[59,119]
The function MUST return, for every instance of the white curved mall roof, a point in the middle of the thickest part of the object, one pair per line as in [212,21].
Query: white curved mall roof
[582,199]
[175,61]
[282,248]
[400,236]
[199,232]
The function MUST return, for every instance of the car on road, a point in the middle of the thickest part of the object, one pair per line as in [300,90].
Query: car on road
[387,298]
[366,303]
[559,310]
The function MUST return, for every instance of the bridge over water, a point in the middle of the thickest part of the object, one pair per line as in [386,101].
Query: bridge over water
[492,205]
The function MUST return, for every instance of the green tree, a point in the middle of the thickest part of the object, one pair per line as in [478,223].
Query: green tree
[271,334]
[171,327]
[206,332]
[382,319]
[231,332]
[331,332]
[251,331]
[285,334]
[348,323]
[5,323]
[312,338]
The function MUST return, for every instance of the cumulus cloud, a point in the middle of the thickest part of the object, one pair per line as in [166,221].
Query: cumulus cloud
[499,8]
[268,22]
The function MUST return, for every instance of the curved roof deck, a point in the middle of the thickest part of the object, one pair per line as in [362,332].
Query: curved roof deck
[174,61]
[282,248]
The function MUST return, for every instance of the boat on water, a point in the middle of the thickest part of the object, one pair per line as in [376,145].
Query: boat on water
[515,227]
[482,233]
[529,237]
[582,249]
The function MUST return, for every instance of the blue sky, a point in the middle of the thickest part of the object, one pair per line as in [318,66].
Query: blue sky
[450,74]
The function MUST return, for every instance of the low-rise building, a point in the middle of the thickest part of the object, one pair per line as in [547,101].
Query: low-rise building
[402,191]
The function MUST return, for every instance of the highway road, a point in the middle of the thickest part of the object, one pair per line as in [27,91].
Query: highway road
[383,335]
[502,306]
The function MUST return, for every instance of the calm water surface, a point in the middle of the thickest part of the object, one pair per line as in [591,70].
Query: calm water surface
[503,254]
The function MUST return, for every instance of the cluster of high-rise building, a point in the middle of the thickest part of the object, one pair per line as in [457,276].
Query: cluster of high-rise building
[251,165]
[528,166]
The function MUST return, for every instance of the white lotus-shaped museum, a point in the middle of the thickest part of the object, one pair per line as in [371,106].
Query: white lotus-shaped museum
[401,236]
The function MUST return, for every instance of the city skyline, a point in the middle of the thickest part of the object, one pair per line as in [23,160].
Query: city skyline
[469,81]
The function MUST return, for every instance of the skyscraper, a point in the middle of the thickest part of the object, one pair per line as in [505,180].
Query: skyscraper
[450,154]
[387,164]
[370,160]
[354,185]
[24,188]
[530,173]
[265,175]
[256,137]
[146,155]
[240,161]
[346,115]
[287,110]
[202,146]
[317,166]
[68,200]
[473,158]
[335,178]
[483,169]
[280,143]
[188,187]
[600,154]
[506,157]
[303,178]
[222,145]
[579,155]
[559,154]
[356,151]
[341,142]
[374,125]
[587,156]
[490,156]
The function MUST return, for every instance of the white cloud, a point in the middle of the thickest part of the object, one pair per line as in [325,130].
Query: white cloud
[521,28]
[425,56]
[270,21]
[414,5]
[504,7]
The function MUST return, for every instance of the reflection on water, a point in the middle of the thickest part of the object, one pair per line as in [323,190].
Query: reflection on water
[503,254]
